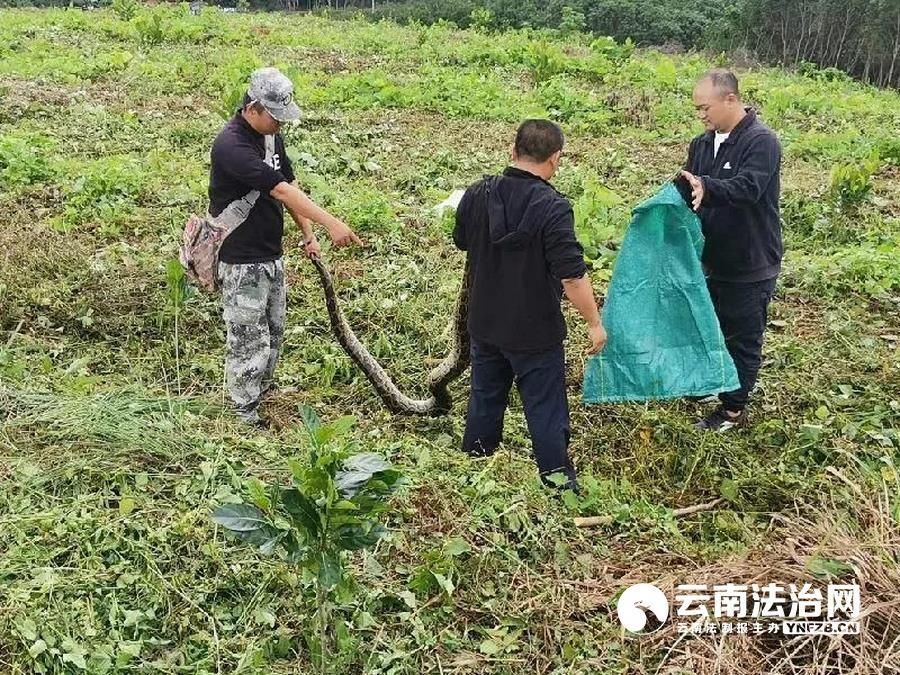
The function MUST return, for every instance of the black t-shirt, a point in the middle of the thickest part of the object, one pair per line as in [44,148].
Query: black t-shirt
[237,167]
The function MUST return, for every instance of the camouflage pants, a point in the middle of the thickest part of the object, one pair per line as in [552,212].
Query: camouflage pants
[254,301]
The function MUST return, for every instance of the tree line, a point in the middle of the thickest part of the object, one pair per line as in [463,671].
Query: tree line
[858,37]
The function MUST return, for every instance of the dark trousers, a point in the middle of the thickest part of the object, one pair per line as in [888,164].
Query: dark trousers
[541,380]
[742,309]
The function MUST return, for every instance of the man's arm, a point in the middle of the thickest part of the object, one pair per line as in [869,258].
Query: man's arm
[302,207]
[462,215]
[581,294]
[689,164]
[310,243]
[748,185]
[565,258]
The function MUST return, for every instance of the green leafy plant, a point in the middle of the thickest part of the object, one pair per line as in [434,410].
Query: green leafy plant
[331,507]
[481,19]
[105,192]
[176,293]
[616,52]
[571,21]
[23,160]
[150,26]
[851,184]
[125,9]
[544,60]
[596,221]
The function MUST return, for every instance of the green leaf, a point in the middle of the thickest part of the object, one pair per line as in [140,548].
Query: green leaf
[100,662]
[38,648]
[257,490]
[310,419]
[282,647]
[239,518]
[174,271]
[128,651]
[348,483]
[264,539]
[358,470]
[366,461]
[364,620]
[571,500]
[298,470]
[409,599]
[264,617]
[329,571]
[729,489]
[812,432]
[342,636]
[827,567]
[456,546]
[323,435]
[74,654]
[28,629]
[822,412]
[247,523]
[303,510]
[343,424]
[423,581]
[558,479]
[126,506]
[132,617]
[355,537]
[490,647]
[445,583]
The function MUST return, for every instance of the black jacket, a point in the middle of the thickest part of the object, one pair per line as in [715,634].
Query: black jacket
[740,213]
[237,165]
[519,233]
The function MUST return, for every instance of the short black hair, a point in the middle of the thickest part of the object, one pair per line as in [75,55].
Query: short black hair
[539,139]
[724,81]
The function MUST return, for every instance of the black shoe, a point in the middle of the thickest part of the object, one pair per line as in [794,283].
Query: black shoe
[719,420]
[254,421]
[562,480]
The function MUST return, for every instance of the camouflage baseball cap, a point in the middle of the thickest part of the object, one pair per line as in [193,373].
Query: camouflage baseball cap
[275,92]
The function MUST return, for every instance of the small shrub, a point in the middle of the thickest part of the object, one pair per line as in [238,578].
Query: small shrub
[851,184]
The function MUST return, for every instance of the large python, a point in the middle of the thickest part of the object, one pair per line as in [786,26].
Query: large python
[451,367]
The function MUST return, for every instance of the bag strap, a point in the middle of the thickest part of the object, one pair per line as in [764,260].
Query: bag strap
[239,210]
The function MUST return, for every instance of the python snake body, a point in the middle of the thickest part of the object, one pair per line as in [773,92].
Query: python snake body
[450,368]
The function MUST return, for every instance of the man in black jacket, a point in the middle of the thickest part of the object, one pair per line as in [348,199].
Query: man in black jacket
[733,180]
[519,234]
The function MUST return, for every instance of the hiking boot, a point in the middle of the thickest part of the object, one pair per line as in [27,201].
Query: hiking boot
[252,419]
[273,388]
[719,420]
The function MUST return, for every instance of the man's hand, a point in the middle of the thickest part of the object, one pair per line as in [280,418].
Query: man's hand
[341,235]
[312,248]
[696,188]
[598,338]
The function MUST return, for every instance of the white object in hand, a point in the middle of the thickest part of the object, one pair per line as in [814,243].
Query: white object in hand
[451,202]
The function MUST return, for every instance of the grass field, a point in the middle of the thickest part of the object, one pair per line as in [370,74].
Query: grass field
[115,446]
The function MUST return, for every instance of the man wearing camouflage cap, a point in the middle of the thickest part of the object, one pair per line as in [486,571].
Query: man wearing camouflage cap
[251,267]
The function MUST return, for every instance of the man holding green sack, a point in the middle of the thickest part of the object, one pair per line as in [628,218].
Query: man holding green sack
[733,175]
[686,310]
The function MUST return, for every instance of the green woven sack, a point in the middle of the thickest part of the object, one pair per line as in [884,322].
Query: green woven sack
[664,337]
